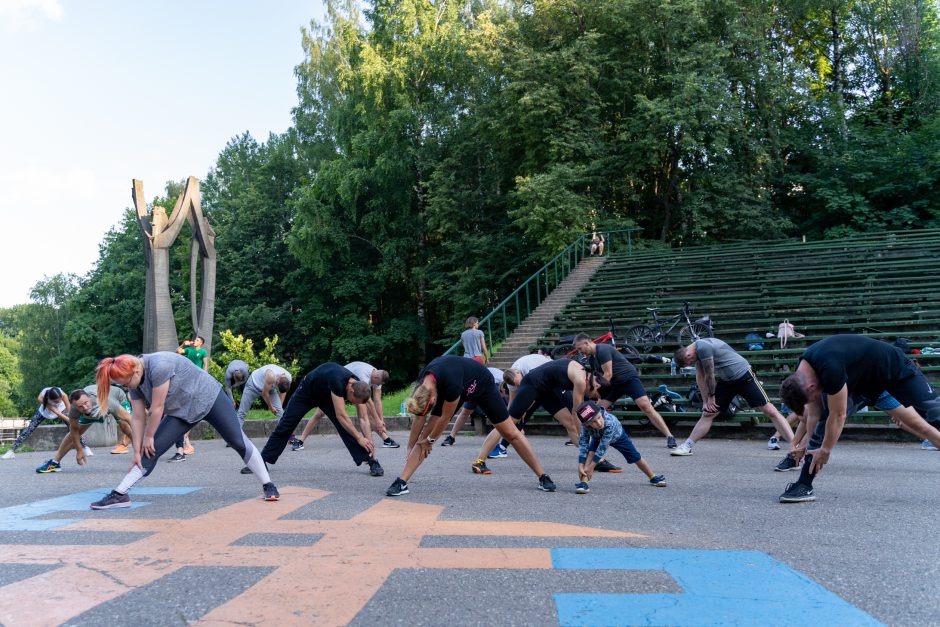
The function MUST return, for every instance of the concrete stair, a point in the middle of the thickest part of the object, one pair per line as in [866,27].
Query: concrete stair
[533,327]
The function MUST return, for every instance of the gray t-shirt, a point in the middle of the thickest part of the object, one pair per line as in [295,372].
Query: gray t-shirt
[236,365]
[529,362]
[363,372]
[192,391]
[115,397]
[257,377]
[472,343]
[729,365]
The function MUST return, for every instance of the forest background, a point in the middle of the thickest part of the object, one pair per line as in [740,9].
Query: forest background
[442,150]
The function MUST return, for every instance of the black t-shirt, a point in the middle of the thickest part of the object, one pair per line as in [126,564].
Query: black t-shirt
[457,377]
[326,379]
[621,369]
[550,376]
[864,364]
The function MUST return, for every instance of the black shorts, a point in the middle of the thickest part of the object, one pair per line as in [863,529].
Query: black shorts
[747,386]
[911,391]
[489,401]
[529,398]
[631,387]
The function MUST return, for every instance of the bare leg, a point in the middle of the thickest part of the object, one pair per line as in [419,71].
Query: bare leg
[779,421]
[655,419]
[419,431]
[311,424]
[492,439]
[508,430]
[570,423]
[908,419]
[460,421]
[125,427]
[644,467]
[66,445]
[703,426]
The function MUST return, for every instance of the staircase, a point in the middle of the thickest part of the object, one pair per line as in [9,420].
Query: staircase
[535,326]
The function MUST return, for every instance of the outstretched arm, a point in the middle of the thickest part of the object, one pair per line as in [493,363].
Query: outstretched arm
[339,406]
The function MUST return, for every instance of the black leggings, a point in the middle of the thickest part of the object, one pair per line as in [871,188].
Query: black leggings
[223,419]
[302,401]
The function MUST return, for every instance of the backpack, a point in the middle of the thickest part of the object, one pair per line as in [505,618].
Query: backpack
[754,342]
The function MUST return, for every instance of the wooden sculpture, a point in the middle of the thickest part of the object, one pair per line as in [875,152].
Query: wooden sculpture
[159,232]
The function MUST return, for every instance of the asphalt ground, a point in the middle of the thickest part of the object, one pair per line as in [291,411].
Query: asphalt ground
[714,547]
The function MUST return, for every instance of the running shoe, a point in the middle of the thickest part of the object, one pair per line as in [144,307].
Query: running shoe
[797,493]
[298,445]
[569,443]
[546,484]
[671,442]
[8,455]
[120,449]
[480,468]
[498,452]
[114,500]
[581,488]
[681,450]
[927,445]
[375,468]
[49,466]
[88,452]
[270,492]
[606,466]
[787,463]
[246,471]
[397,488]
[292,440]
[188,449]
[390,443]
[658,481]
[448,441]
[773,444]
[179,457]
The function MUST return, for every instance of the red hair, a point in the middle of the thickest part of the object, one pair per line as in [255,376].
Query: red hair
[121,366]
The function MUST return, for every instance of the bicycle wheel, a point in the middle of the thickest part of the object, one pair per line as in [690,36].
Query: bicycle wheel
[632,354]
[692,332]
[642,337]
[561,351]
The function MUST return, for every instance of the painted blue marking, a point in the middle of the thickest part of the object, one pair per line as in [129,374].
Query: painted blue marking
[22,517]
[720,587]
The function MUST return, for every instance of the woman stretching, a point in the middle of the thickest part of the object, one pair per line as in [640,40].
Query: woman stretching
[169,395]
[440,388]
[53,405]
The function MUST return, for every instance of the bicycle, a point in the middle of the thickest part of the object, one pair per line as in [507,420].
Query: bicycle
[566,349]
[648,336]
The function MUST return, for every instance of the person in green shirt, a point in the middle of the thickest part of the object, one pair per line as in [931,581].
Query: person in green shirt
[194,352]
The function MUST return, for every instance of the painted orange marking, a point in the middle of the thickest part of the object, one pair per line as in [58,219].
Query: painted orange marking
[328,582]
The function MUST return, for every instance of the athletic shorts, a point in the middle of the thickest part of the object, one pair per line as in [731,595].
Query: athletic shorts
[632,387]
[488,400]
[529,398]
[747,386]
[912,390]
[886,402]
[625,445]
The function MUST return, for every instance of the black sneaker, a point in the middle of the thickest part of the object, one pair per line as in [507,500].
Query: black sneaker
[787,463]
[569,443]
[390,443]
[606,466]
[270,492]
[546,484]
[179,457]
[114,500]
[448,441]
[397,488]
[375,468]
[246,471]
[671,442]
[797,493]
[298,445]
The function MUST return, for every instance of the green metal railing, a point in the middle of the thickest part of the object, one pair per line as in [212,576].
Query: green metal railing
[509,314]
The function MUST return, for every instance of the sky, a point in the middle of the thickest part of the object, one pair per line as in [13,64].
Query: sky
[95,93]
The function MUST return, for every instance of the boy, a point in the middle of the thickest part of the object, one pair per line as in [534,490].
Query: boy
[599,430]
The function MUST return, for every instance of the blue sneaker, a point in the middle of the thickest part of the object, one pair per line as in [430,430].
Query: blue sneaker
[928,446]
[498,452]
[49,466]
[582,488]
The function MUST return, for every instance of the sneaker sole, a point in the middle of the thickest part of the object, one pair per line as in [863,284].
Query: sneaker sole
[678,454]
[544,489]
[786,469]
[118,452]
[114,506]
[271,498]
[377,474]
[391,446]
[46,472]
[613,472]
[581,491]
[659,485]
[802,499]
[405,491]
[477,471]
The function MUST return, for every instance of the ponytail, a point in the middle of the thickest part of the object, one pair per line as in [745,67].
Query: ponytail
[121,366]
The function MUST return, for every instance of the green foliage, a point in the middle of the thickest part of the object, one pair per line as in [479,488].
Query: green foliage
[238,347]
[10,377]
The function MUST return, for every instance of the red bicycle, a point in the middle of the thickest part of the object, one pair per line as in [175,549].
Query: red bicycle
[565,347]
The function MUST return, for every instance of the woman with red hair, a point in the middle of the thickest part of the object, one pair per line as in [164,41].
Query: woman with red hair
[168,396]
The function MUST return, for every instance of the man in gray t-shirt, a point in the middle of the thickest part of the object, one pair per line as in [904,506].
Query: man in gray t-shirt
[235,376]
[722,374]
[269,382]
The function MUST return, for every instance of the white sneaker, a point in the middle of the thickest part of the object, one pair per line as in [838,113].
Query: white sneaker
[88,452]
[8,455]
[681,450]
[773,444]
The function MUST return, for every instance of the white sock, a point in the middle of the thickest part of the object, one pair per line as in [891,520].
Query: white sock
[255,462]
[133,476]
